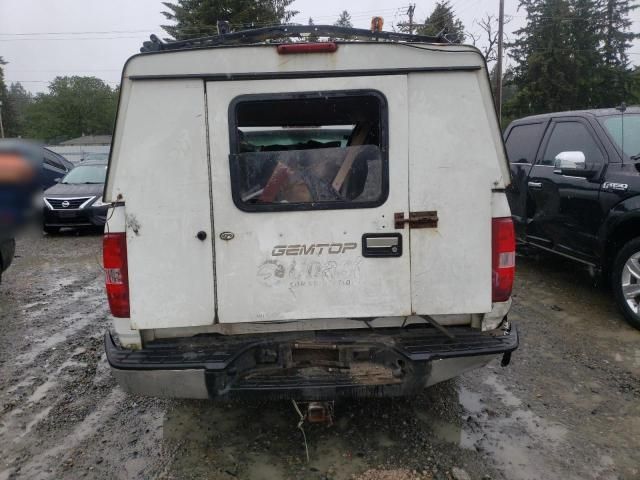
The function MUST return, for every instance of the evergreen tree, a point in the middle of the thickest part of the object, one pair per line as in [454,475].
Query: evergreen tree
[585,39]
[617,34]
[544,74]
[635,85]
[344,20]
[197,18]
[19,100]
[443,19]
[572,54]
[617,39]
[3,93]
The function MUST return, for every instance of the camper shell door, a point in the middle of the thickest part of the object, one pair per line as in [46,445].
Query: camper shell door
[307,175]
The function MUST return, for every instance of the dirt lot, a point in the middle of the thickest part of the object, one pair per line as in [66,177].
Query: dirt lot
[568,407]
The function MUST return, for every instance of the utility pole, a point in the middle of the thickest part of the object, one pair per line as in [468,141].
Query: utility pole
[1,126]
[499,62]
[410,10]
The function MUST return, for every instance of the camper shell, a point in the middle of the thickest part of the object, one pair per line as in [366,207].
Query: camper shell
[306,219]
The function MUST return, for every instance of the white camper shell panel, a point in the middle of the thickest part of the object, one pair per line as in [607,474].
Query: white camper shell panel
[445,155]
[453,169]
[163,173]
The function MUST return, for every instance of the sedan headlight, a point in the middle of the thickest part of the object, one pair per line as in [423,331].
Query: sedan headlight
[100,203]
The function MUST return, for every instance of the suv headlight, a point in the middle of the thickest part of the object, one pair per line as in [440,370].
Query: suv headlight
[100,203]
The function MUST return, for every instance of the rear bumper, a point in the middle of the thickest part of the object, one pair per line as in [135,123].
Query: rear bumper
[307,365]
[86,217]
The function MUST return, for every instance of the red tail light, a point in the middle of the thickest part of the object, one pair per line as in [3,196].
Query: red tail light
[504,258]
[116,273]
[322,47]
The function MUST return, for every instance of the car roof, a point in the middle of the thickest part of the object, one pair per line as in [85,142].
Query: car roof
[597,112]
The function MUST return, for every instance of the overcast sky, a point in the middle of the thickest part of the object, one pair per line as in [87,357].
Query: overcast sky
[42,39]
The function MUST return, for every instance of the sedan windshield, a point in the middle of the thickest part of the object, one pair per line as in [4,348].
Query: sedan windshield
[86,174]
[629,141]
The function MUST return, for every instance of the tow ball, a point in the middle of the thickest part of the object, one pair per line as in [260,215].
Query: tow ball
[314,412]
[320,412]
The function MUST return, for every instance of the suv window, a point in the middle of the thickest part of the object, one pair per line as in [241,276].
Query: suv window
[571,137]
[522,143]
[309,151]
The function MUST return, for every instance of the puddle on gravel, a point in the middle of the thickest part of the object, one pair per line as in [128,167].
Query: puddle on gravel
[74,323]
[505,396]
[515,440]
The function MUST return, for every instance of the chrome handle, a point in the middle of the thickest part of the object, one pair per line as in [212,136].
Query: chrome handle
[382,245]
[535,184]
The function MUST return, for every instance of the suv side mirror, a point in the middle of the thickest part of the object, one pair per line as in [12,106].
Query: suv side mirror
[572,163]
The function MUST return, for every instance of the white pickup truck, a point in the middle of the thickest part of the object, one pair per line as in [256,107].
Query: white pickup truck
[306,220]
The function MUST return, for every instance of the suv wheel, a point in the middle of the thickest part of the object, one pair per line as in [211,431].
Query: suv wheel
[625,281]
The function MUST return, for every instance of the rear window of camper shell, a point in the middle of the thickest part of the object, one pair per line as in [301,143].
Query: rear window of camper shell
[309,151]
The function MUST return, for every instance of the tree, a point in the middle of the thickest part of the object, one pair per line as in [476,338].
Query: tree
[545,63]
[586,36]
[487,40]
[617,39]
[19,100]
[73,106]
[635,84]
[344,20]
[198,18]
[443,19]
[4,108]
[572,54]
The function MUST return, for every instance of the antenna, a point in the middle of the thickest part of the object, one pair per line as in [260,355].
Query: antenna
[622,108]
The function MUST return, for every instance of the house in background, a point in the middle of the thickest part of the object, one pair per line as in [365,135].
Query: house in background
[76,149]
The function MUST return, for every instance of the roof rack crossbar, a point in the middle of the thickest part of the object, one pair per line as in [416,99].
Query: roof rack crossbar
[258,35]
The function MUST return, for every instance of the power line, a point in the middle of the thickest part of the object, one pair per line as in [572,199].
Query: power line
[66,39]
[51,81]
[79,33]
[357,14]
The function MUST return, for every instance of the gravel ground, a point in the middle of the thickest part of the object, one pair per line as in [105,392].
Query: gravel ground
[568,406]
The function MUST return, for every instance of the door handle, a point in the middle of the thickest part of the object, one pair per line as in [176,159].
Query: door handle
[534,184]
[382,245]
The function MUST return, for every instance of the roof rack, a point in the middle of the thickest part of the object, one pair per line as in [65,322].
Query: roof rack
[285,31]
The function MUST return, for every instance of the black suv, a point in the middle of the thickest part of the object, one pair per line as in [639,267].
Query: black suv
[576,192]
